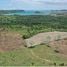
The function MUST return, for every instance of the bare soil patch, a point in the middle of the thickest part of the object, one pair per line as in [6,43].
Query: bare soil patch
[56,40]
[60,45]
[45,38]
[10,41]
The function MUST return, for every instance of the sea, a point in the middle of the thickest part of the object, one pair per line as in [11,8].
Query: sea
[29,13]
[24,12]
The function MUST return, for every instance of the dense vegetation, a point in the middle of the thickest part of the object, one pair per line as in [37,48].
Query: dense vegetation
[30,25]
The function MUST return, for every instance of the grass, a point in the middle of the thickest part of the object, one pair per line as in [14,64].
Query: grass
[48,53]
[24,57]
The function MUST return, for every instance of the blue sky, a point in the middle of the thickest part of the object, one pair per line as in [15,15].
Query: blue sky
[33,4]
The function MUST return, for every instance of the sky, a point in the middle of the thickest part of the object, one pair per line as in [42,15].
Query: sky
[33,4]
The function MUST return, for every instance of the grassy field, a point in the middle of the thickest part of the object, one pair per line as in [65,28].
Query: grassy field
[26,58]
[28,26]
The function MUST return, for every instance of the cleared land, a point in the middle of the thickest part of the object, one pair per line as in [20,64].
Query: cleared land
[60,46]
[10,41]
[45,38]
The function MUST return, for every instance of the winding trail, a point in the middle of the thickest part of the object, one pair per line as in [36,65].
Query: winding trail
[34,55]
[45,37]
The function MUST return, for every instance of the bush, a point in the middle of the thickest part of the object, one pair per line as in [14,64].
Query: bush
[32,63]
[48,46]
[42,44]
[56,51]
[25,37]
[54,64]
[31,46]
[25,45]
[62,64]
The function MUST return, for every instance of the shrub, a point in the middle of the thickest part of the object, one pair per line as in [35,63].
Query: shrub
[42,44]
[48,45]
[56,51]
[54,64]
[32,63]
[25,37]
[62,64]
[25,45]
[31,46]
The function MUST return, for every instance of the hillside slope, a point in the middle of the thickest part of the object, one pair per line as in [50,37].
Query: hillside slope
[45,38]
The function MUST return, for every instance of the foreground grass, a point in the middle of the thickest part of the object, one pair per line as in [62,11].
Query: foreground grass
[24,57]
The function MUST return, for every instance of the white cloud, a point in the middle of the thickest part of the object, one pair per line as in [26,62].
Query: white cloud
[39,4]
[42,0]
[26,1]
[53,2]
[34,2]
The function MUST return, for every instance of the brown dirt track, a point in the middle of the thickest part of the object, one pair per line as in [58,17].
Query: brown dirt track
[10,41]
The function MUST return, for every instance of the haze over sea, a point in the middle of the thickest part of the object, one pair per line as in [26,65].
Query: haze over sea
[31,12]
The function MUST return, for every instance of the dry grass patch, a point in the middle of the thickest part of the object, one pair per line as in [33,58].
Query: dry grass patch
[10,41]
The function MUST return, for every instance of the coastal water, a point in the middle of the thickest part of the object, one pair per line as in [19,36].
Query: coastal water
[29,13]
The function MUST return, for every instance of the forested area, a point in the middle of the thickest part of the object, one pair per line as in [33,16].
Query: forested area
[30,25]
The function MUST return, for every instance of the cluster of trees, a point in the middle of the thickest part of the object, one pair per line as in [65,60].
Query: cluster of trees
[31,25]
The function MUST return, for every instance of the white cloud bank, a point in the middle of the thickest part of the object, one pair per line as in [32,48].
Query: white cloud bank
[43,1]
[33,4]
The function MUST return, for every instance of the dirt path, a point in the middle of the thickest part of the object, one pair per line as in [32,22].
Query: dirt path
[34,55]
[45,38]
